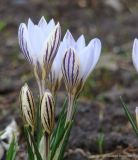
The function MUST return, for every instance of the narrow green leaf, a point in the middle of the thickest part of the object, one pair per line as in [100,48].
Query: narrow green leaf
[36,150]
[100,142]
[11,154]
[29,147]
[60,124]
[39,131]
[58,137]
[61,115]
[129,116]
[65,141]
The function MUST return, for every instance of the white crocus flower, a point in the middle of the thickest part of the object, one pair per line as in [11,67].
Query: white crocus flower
[39,44]
[79,61]
[135,54]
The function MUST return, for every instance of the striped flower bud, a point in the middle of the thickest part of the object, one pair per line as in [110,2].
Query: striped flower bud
[27,106]
[47,112]
[79,61]
[72,72]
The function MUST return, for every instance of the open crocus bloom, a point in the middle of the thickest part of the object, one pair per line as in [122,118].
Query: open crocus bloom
[79,61]
[135,54]
[39,43]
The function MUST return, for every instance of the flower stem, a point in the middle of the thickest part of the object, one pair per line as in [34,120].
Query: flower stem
[43,85]
[39,83]
[47,139]
[70,108]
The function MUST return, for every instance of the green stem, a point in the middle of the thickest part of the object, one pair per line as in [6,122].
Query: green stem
[70,108]
[39,83]
[47,139]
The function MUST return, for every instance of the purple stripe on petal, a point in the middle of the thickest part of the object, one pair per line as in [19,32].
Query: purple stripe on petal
[73,62]
[64,67]
[77,74]
[23,44]
[52,47]
[69,64]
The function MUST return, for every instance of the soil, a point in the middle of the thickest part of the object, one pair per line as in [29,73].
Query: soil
[100,110]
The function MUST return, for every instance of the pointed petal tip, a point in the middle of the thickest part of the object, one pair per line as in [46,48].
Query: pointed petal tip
[52,21]
[42,22]
[135,45]
[81,40]
[30,20]
[42,17]
[68,32]
[82,36]
[135,41]
[68,36]
[26,85]
[58,25]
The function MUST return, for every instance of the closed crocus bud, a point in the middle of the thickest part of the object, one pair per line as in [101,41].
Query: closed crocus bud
[47,112]
[79,61]
[136,115]
[39,44]
[27,106]
[135,54]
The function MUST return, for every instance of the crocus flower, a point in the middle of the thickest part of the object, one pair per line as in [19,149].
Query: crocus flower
[47,112]
[79,61]
[27,106]
[135,54]
[39,44]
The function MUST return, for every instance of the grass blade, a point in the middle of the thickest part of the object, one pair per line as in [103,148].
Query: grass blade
[30,150]
[65,141]
[129,116]
[11,154]
[35,146]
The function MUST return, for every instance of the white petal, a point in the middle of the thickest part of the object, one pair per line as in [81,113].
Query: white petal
[69,41]
[30,27]
[56,69]
[24,43]
[42,23]
[43,26]
[30,24]
[92,54]
[32,31]
[50,27]
[57,63]
[81,43]
[135,54]
[37,41]
[51,45]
